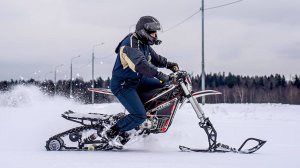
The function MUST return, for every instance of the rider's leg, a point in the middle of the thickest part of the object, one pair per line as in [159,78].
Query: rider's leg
[147,84]
[137,115]
[130,99]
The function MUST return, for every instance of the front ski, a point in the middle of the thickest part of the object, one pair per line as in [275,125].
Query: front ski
[225,148]
[187,149]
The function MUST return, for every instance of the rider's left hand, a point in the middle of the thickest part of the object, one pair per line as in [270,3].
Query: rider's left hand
[173,66]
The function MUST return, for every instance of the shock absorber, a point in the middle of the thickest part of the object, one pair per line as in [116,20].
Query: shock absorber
[91,138]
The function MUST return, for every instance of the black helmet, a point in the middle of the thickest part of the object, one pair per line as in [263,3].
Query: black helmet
[145,26]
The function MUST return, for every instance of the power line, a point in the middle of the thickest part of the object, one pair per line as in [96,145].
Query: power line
[188,18]
[219,6]
[178,24]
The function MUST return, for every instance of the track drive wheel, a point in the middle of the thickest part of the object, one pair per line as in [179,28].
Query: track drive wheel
[54,144]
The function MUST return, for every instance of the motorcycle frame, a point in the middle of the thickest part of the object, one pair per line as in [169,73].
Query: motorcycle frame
[180,99]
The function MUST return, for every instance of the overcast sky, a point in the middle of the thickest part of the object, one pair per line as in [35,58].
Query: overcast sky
[252,37]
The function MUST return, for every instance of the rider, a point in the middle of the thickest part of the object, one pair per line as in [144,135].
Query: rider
[135,71]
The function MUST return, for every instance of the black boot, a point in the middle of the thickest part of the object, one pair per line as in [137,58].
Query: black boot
[125,137]
[113,132]
[116,136]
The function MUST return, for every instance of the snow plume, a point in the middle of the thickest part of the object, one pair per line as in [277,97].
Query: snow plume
[20,95]
[24,96]
[27,113]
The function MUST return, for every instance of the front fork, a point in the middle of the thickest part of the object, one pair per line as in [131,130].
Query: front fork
[204,122]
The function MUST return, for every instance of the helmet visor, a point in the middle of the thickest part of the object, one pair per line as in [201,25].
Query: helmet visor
[152,27]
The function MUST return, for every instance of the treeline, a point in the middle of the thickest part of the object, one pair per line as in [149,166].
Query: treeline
[234,88]
[245,89]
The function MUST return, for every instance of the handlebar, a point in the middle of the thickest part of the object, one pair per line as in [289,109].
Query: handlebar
[178,76]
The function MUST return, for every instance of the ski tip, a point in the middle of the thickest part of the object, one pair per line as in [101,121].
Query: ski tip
[260,143]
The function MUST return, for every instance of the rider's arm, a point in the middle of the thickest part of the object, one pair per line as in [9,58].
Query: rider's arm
[136,60]
[158,60]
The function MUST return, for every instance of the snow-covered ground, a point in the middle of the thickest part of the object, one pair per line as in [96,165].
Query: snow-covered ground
[29,118]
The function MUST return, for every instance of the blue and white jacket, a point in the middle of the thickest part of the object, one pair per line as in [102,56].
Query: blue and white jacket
[134,60]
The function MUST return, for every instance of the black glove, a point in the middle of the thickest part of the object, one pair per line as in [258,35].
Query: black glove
[173,66]
[163,77]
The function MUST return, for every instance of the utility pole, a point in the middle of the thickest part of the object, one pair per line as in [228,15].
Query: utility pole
[93,71]
[71,80]
[55,70]
[71,75]
[203,72]
[93,77]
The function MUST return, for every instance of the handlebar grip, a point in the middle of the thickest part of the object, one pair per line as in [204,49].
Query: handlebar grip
[175,68]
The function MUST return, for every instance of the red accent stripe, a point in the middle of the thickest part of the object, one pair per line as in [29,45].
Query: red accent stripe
[167,123]
[101,91]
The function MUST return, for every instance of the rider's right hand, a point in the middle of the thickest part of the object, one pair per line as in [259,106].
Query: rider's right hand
[173,66]
[163,77]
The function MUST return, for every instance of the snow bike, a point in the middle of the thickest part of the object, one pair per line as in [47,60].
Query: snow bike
[161,105]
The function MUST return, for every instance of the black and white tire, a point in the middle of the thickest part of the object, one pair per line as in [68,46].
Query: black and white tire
[55,144]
